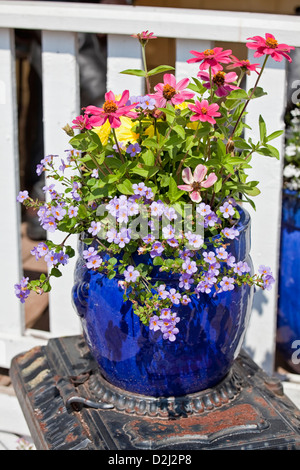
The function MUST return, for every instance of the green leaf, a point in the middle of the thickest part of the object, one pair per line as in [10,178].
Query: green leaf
[78,141]
[274,135]
[173,141]
[165,180]
[88,241]
[126,187]
[82,211]
[197,87]
[151,142]
[148,158]
[189,143]
[262,129]
[252,191]
[258,93]
[160,69]
[158,261]
[218,185]
[174,193]
[269,151]
[55,272]
[136,72]
[95,138]
[146,171]
[237,95]
[241,144]
[46,286]
[221,149]
[70,251]
[100,157]
[180,131]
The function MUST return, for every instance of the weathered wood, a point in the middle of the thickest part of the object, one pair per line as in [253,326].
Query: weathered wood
[266,219]
[60,106]
[11,316]
[123,52]
[165,22]
[183,48]
[193,29]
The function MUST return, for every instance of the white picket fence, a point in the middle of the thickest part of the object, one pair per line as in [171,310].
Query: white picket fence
[192,29]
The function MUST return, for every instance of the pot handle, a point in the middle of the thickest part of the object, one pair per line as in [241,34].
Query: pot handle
[79,296]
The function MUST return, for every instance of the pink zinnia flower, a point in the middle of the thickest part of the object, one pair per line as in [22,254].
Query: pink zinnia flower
[243,64]
[195,182]
[82,122]
[204,111]
[144,36]
[171,91]
[112,110]
[223,82]
[211,58]
[269,46]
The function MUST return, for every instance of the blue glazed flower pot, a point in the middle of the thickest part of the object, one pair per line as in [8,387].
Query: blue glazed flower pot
[288,318]
[136,359]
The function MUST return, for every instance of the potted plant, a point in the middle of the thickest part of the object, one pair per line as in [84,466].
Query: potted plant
[288,324]
[164,280]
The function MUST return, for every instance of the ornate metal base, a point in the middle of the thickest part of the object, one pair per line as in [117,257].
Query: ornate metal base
[166,408]
[69,405]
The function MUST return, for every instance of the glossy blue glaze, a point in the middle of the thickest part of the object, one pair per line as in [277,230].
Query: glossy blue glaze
[288,318]
[133,358]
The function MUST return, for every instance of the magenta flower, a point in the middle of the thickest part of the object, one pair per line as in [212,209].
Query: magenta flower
[223,82]
[144,36]
[243,64]
[204,111]
[112,110]
[269,46]
[195,182]
[171,91]
[82,122]
[211,58]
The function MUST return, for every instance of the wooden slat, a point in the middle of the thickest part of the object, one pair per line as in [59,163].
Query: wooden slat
[11,313]
[165,22]
[266,220]
[193,29]
[61,106]
[183,48]
[123,52]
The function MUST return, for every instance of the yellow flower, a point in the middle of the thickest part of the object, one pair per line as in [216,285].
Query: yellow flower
[124,132]
[103,132]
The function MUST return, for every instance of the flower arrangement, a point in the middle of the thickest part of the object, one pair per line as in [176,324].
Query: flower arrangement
[176,154]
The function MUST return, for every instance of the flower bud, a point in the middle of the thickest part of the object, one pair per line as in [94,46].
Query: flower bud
[68,130]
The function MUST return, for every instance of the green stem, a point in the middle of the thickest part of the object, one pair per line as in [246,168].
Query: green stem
[241,77]
[247,102]
[97,165]
[186,154]
[211,85]
[117,144]
[145,68]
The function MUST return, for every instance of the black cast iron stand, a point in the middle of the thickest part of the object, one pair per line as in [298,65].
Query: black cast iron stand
[69,406]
